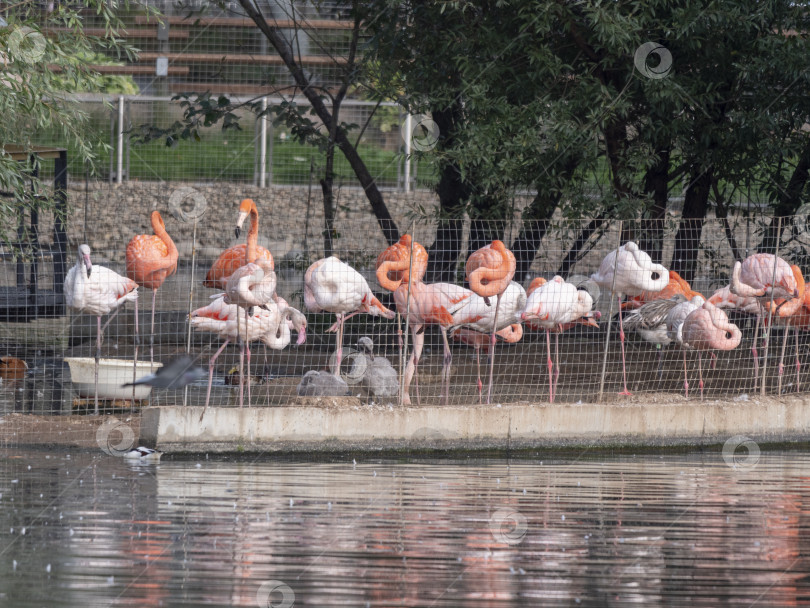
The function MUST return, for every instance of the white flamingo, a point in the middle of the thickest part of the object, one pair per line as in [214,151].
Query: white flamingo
[269,324]
[551,306]
[332,286]
[96,290]
[629,271]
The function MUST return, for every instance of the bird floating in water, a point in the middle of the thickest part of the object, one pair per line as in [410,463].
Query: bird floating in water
[174,375]
[143,455]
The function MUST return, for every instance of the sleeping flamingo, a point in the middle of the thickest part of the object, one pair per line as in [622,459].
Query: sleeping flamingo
[239,255]
[649,320]
[433,304]
[677,286]
[786,313]
[770,280]
[674,324]
[552,305]
[270,324]
[708,328]
[629,271]
[150,259]
[478,340]
[332,286]
[96,290]
[489,272]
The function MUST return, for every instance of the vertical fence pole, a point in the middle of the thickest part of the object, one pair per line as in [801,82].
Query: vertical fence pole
[191,298]
[403,354]
[119,176]
[263,146]
[408,129]
[767,329]
[610,318]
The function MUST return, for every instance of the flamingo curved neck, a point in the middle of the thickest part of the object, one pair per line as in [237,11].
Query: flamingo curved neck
[251,252]
[159,228]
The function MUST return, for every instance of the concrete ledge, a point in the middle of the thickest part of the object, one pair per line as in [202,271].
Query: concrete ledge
[345,425]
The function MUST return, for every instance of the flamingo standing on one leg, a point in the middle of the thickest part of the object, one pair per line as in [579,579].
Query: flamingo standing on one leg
[650,321]
[708,328]
[552,305]
[433,304]
[478,340]
[96,290]
[785,311]
[150,259]
[629,271]
[270,324]
[239,255]
[674,326]
[476,315]
[332,286]
[768,279]
[489,272]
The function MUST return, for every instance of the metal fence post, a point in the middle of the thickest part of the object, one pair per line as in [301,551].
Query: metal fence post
[610,319]
[119,176]
[407,138]
[263,146]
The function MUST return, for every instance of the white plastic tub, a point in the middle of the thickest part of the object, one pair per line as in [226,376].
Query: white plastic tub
[112,373]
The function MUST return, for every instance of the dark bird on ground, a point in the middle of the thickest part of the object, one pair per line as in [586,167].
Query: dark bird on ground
[174,375]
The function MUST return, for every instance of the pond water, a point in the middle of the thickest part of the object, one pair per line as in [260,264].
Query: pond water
[87,529]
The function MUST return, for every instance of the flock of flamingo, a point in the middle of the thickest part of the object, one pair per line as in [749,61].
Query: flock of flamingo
[660,305]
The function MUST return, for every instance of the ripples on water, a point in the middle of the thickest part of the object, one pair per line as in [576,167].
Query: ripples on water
[90,530]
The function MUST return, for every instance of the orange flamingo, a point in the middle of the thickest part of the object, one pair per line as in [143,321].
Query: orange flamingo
[708,328]
[770,280]
[150,259]
[677,286]
[785,312]
[239,255]
[629,271]
[434,304]
[489,272]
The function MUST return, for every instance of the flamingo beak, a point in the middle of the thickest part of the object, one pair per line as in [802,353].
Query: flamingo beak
[240,220]
[302,336]
[590,321]
[525,316]
[88,264]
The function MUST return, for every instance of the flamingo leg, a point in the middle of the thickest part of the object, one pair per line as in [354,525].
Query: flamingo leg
[781,368]
[98,358]
[478,366]
[247,352]
[211,376]
[556,361]
[135,362]
[339,351]
[241,372]
[492,350]
[700,375]
[550,365]
[766,338]
[621,339]
[334,326]
[448,359]
[798,362]
[685,375]
[410,368]
[152,334]
[756,355]
[713,364]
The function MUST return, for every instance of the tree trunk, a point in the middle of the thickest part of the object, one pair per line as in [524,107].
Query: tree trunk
[790,199]
[656,184]
[285,51]
[690,229]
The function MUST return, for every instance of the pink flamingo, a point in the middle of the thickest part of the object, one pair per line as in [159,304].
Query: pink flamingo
[239,255]
[770,280]
[674,327]
[553,305]
[269,324]
[96,290]
[708,328]
[434,304]
[150,259]
[471,337]
[489,272]
[476,315]
[332,286]
[629,271]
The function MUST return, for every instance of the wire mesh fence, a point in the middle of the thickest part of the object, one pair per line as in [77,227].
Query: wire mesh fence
[583,357]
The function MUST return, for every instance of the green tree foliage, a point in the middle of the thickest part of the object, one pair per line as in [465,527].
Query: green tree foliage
[44,53]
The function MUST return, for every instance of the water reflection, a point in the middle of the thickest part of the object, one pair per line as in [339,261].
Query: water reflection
[90,530]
